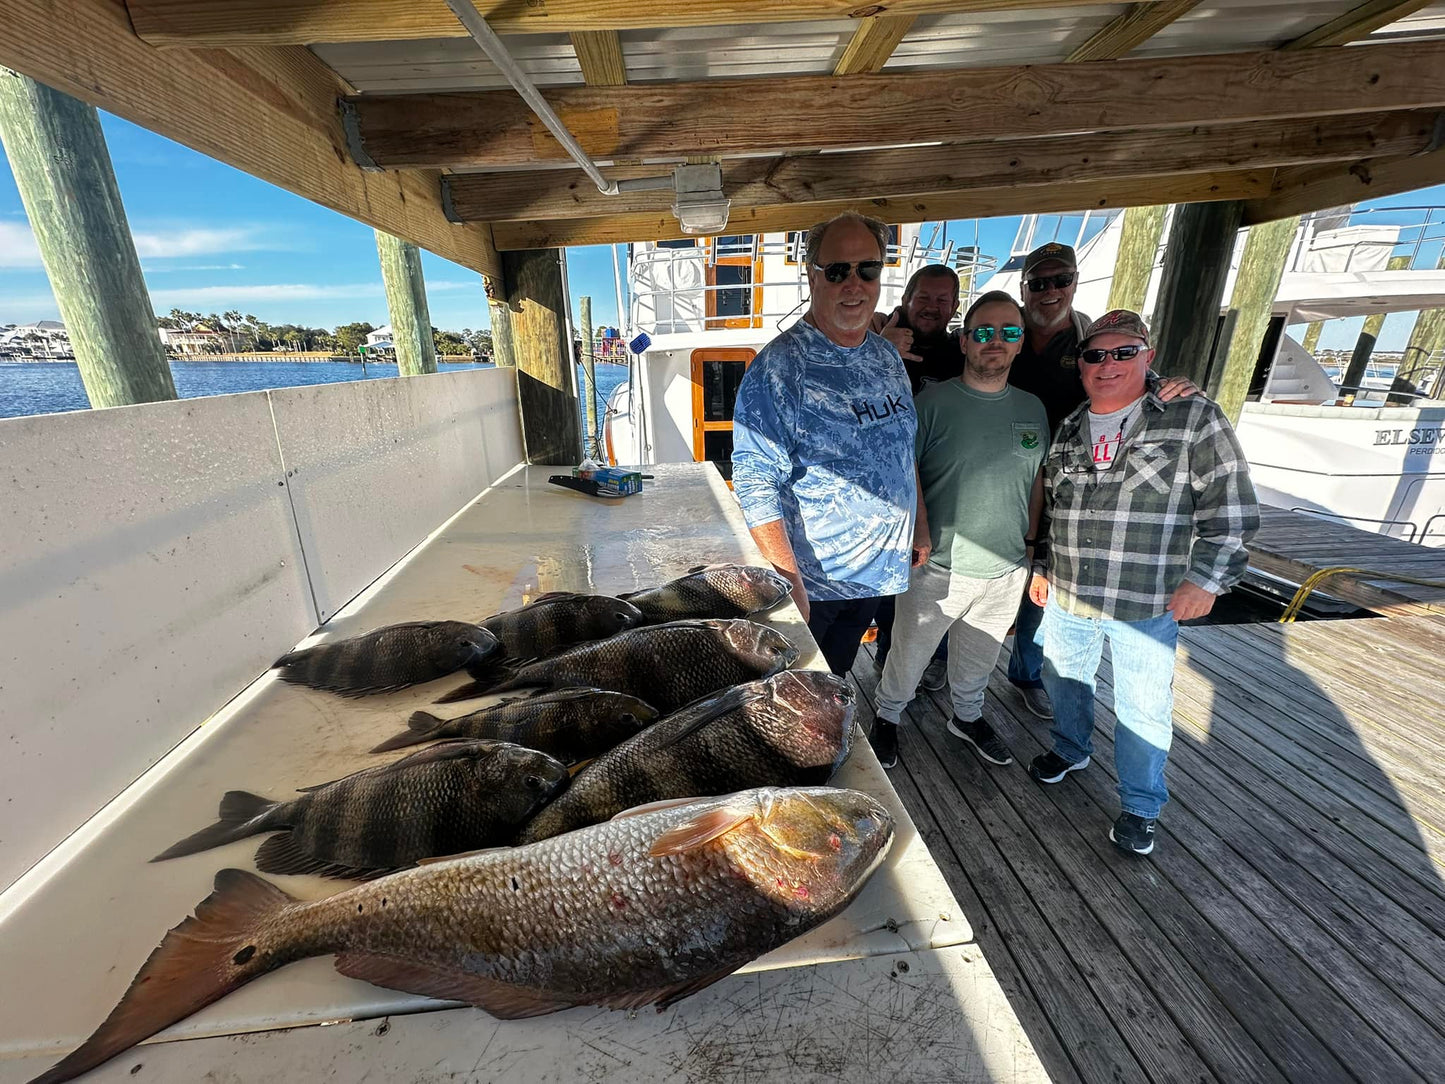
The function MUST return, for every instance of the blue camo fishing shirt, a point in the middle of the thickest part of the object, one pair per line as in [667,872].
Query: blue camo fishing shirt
[823,440]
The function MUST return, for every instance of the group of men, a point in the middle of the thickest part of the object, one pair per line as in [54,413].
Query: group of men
[1028,470]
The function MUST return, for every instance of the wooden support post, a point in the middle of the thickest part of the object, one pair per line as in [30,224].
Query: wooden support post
[63,171]
[504,347]
[1138,244]
[589,366]
[1191,289]
[1312,336]
[416,351]
[550,423]
[1365,344]
[1260,269]
[1427,345]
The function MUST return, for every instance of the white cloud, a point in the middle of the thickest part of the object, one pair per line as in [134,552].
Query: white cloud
[17,245]
[170,244]
[205,296]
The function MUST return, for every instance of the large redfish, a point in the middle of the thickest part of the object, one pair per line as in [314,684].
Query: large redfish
[643,909]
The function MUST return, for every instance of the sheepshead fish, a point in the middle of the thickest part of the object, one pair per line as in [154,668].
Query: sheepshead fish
[455,796]
[560,620]
[390,658]
[570,724]
[793,729]
[644,909]
[667,665]
[712,591]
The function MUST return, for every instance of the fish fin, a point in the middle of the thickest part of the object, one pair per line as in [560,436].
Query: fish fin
[503,679]
[653,807]
[502,1000]
[664,996]
[703,828]
[631,594]
[695,569]
[705,710]
[492,667]
[553,596]
[196,964]
[460,854]
[238,810]
[282,854]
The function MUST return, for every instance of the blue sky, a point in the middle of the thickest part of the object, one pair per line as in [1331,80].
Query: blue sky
[212,238]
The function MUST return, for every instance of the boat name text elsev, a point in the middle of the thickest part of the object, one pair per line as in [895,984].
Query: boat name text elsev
[1430,435]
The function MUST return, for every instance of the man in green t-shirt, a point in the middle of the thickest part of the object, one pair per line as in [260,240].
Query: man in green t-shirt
[979,450]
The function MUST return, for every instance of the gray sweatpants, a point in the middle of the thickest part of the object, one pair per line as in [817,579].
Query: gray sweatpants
[974,613]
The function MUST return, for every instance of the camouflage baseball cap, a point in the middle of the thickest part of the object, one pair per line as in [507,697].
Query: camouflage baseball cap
[1051,252]
[1120,322]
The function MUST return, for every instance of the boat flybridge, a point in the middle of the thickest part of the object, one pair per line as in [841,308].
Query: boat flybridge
[707,305]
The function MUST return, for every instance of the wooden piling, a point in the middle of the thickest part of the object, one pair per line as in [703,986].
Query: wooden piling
[504,348]
[1191,287]
[1138,244]
[550,422]
[1260,269]
[1427,344]
[406,302]
[589,366]
[1365,344]
[67,184]
[1312,336]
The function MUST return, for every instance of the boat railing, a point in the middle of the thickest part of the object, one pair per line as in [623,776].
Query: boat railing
[1410,534]
[1366,238]
[669,291]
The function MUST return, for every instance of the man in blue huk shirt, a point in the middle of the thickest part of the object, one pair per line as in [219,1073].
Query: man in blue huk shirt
[823,445]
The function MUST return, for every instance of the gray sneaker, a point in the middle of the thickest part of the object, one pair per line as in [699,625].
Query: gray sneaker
[1036,700]
[935,675]
[983,738]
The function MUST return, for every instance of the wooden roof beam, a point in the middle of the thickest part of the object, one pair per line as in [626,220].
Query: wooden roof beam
[270,112]
[1357,23]
[767,182]
[674,120]
[196,23]
[1314,188]
[1130,30]
[599,52]
[981,203]
[873,43]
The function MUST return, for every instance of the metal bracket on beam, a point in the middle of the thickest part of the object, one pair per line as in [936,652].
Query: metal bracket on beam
[355,141]
[449,209]
[1437,136]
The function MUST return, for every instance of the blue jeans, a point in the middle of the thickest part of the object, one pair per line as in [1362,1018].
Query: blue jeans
[1143,654]
[1026,664]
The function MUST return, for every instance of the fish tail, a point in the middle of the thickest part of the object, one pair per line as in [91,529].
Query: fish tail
[423,726]
[502,678]
[240,814]
[204,958]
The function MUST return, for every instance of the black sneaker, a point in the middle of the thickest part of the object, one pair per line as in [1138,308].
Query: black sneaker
[935,675]
[983,738]
[1050,767]
[884,739]
[1133,835]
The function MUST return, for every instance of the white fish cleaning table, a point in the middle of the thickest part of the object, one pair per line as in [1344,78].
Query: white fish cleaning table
[893,983]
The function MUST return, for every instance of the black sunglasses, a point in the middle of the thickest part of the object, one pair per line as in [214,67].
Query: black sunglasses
[984,333]
[868,270]
[1123,353]
[1057,282]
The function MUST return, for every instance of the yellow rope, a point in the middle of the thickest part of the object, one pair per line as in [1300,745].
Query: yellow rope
[1296,604]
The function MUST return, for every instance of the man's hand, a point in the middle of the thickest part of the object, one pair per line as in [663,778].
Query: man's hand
[1038,589]
[900,337]
[1175,387]
[921,553]
[1190,601]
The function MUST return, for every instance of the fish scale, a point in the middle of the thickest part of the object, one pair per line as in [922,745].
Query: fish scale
[719,591]
[644,909]
[388,658]
[667,665]
[555,621]
[791,729]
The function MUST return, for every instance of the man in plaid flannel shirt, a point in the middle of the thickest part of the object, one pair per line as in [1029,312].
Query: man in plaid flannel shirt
[1151,506]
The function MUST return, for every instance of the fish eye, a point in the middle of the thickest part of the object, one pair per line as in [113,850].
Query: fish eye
[628,717]
[620,616]
[533,782]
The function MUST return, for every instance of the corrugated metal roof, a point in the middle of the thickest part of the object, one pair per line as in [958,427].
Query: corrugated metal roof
[979,39]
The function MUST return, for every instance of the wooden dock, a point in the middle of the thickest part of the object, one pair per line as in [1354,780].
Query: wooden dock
[1294,546]
[1291,922]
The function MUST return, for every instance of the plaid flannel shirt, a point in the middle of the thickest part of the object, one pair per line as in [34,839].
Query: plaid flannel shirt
[1175,504]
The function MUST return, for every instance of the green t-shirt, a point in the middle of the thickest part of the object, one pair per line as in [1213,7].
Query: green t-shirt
[978,453]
